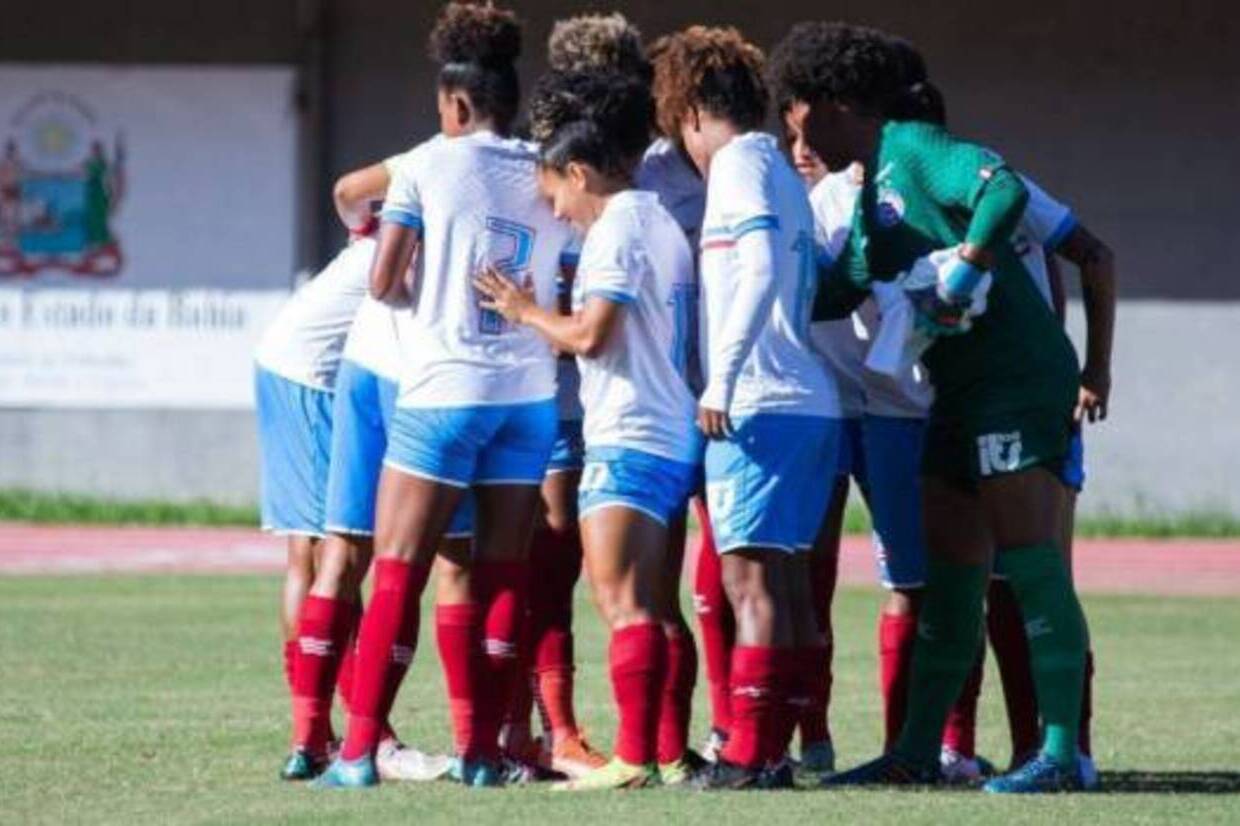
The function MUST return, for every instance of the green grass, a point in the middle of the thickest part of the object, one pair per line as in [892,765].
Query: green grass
[54,508]
[159,699]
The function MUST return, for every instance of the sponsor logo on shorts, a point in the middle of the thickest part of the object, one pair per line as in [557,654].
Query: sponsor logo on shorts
[999,452]
[594,476]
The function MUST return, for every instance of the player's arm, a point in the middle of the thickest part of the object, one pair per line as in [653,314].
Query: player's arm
[838,291]
[354,193]
[584,333]
[400,233]
[748,312]
[1059,298]
[1096,263]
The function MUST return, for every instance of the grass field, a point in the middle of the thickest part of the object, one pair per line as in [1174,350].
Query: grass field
[158,699]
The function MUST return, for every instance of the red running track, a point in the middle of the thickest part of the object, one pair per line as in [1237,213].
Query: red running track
[1119,566]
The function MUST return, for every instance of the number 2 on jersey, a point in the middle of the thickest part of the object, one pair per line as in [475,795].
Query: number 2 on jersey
[510,249]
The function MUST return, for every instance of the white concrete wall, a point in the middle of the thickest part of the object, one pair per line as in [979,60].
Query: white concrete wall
[1172,442]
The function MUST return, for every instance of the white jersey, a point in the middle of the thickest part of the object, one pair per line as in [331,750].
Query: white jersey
[475,201]
[305,341]
[1044,226]
[752,187]
[665,171]
[635,392]
[373,342]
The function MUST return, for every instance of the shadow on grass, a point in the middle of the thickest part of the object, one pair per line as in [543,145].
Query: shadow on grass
[1152,782]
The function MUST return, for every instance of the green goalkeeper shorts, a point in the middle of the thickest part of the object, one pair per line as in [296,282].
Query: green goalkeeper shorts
[966,453]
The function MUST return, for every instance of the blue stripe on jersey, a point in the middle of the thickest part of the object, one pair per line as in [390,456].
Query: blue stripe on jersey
[1062,231]
[400,216]
[614,296]
[755,223]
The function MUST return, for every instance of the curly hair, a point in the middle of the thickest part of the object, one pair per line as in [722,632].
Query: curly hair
[598,43]
[472,32]
[842,62]
[476,45]
[602,119]
[712,69]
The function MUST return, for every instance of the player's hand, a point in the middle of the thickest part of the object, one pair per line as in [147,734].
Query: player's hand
[366,230]
[714,423]
[1094,396]
[939,316]
[503,296]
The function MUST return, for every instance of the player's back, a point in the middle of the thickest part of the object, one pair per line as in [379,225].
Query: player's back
[477,203]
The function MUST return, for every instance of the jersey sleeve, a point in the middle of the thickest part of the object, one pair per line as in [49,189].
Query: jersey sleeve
[392,164]
[960,175]
[740,183]
[609,266]
[1046,221]
[403,204]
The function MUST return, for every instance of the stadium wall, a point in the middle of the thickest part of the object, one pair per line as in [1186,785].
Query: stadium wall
[1126,111]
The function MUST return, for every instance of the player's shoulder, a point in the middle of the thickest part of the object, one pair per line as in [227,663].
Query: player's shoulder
[752,150]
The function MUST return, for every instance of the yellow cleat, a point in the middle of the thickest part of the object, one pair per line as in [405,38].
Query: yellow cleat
[616,774]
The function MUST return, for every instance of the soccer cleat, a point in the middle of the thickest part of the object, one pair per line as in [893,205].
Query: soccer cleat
[724,776]
[888,770]
[481,774]
[348,774]
[959,770]
[680,772]
[396,761]
[302,765]
[1041,775]
[1089,772]
[575,758]
[780,775]
[616,774]
[817,759]
[715,742]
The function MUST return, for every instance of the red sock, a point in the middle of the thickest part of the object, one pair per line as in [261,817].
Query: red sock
[896,633]
[716,624]
[385,645]
[813,692]
[1006,629]
[960,732]
[348,658]
[754,711]
[290,656]
[676,704]
[556,556]
[1084,740]
[638,657]
[501,589]
[323,628]
[460,655]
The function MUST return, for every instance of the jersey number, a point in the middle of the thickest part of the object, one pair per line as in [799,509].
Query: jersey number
[510,249]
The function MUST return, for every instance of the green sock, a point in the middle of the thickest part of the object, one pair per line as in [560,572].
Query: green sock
[1055,627]
[949,630]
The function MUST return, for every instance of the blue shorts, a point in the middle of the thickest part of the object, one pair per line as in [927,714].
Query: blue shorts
[570,448]
[618,476]
[852,451]
[1073,474]
[501,444]
[893,448]
[361,414]
[766,486]
[294,439]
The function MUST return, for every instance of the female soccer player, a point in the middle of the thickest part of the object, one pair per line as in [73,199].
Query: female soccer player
[1004,392]
[764,391]
[476,404]
[364,399]
[628,331]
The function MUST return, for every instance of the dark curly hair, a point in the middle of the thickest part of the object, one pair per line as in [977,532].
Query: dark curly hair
[598,43]
[476,46]
[841,62]
[598,118]
[712,69]
[920,99]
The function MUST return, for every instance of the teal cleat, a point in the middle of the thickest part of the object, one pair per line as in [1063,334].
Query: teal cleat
[348,774]
[888,770]
[481,774]
[1041,775]
[817,759]
[302,765]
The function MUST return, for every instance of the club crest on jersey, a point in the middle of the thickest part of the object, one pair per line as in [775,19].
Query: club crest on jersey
[890,210]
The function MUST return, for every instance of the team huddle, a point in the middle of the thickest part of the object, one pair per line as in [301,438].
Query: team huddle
[572,320]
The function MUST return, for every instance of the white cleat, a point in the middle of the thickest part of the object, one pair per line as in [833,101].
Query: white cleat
[396,761]
[713,746]
[959,770]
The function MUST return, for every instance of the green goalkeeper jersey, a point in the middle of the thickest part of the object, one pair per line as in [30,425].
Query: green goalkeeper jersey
[926,190]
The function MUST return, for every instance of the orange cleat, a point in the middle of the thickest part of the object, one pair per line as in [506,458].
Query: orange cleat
[575,758]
